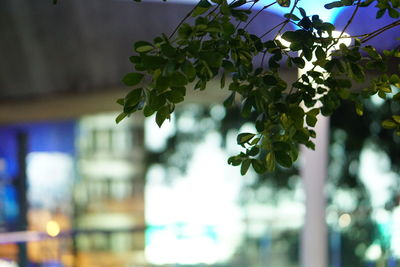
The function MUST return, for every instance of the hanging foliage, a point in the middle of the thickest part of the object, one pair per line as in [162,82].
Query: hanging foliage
[216,44]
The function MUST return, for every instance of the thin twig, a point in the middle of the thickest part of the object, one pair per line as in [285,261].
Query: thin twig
[273,28]
[183,20]
[287,21]
[351,18]
[258,13]
[254,2]
[379,31]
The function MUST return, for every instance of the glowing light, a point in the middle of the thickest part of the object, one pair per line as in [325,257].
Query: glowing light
[52,228]
[344,39]
[344,220]
[373,253]
[4,263]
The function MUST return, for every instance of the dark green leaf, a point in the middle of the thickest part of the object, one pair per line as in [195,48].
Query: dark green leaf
[333,5]
[120,117]
[162,84]
[235,160]
[177,79]
[320,53]
[189,70]
[292,17]
[270,160]
[132,79]
[244,138]
[258,166]
[389,124]
[237,3]
[228,102]
[283,159]
[175,96]
[284,3]
[245,166]
[162,114]
[380,13]
[133,97]
[147,111]
[143,46]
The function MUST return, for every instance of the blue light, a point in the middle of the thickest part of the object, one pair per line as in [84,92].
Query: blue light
[312,7]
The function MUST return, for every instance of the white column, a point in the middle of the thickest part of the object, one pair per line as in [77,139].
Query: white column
[314,171]
[314,248]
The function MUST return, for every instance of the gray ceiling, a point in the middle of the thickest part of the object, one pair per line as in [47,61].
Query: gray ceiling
[75,46]
[80,46]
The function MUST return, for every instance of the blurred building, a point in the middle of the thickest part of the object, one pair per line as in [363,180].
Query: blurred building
[72,183]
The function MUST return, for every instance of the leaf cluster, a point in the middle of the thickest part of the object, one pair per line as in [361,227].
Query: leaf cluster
[216,46]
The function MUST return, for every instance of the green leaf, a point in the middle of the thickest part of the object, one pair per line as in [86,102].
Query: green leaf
[333,5]
[270,160]
[284,3]
[244,138]
[389,124]
[292,17]
[132,79]
[359,109]
[228,102]
[311,120]
[235,160]
[320,53]
[156,101]
[281,146]
[245,166]
[299,62]
[204,3]
[177,79]
[358,72]
[283,159]
[213,59]
[201,8]
[153,62]
[120,117]
[175,96]
[120,101]
[226,10]
[393,13]
[133,97]
[258,166]
[228,65]
[162,84]
[237,3]
[162,114]
[189,70]
[223,78]
[380,13]
[253,151]
[396,118]
[148,111]
[168,50]
[302,12]
[143,46]
[270,80]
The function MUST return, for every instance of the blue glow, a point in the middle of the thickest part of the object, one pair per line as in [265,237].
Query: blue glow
[312,7]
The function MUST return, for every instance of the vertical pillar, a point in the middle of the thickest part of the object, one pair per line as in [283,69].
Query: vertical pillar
[22,149]
[314,172]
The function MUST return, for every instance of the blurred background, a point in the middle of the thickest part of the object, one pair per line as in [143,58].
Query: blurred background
[77,190]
